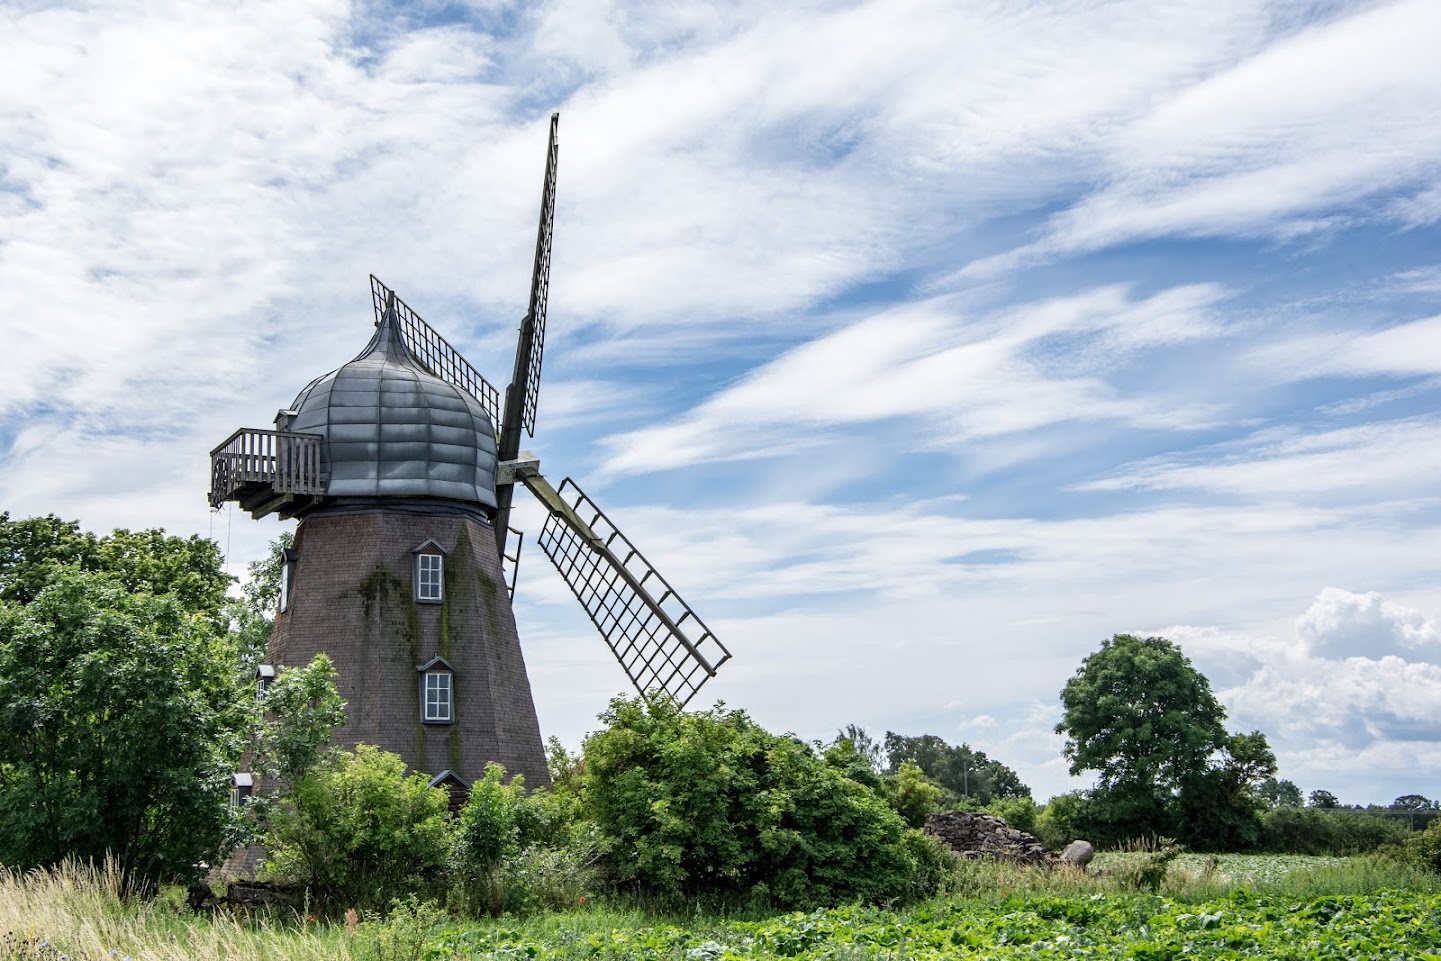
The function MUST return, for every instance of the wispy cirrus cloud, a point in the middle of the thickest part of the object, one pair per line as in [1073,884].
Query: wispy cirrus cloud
[966,376]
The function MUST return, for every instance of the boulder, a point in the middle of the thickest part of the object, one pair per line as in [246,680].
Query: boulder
[1078,853]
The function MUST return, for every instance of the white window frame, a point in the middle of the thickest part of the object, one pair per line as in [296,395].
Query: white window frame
[437,697]
[430,577]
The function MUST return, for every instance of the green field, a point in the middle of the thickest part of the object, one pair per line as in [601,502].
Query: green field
[1236,907]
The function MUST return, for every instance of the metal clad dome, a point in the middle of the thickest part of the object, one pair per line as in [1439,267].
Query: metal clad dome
[393,429]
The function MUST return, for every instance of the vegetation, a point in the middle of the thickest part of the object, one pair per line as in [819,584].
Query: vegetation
[709,803]
[119,728]
[1236,907]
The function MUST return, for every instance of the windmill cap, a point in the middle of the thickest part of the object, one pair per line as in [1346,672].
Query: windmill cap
[393,429]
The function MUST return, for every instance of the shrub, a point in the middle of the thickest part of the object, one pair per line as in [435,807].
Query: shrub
[708,802]
[1019,813]
[1327,831]
[359,833]
[1421,849]
[1064,819]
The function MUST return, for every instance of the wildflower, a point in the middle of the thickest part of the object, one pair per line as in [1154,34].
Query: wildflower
[582,899]
[310,918]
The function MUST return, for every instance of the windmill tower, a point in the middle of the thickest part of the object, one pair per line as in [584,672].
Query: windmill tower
[401,467]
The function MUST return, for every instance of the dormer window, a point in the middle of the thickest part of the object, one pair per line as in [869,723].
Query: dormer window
[241,784]
[437,692]
[264,677]
[429,573]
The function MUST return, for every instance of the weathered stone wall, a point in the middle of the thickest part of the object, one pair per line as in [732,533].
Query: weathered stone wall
[987,836]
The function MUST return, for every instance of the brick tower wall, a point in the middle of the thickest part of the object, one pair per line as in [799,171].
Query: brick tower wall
[352,597]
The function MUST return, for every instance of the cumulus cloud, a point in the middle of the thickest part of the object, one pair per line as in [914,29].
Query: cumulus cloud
[1340,624]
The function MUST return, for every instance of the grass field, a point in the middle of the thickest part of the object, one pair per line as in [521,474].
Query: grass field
[1236,907]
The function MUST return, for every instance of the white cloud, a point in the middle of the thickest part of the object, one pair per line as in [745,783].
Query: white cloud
[1340,624]
[1399,458]
[968,377]
[1288,141]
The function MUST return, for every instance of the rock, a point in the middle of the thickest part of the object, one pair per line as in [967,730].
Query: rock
[1078,853]
[987,836]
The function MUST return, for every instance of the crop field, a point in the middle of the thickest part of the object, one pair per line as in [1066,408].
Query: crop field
[1230,908]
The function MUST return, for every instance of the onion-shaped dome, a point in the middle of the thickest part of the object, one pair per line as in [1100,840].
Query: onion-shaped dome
[393,429]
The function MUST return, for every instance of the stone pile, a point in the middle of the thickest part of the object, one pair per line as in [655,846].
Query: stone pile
[987,836]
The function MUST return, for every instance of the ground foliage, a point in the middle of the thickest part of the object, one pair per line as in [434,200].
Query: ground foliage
[1150,928]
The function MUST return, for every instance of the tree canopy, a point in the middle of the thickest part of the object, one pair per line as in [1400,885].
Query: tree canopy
[1140,715]
[120,721]
[965,772]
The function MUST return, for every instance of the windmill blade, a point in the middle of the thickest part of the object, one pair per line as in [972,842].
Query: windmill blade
[435,352]
[660,642]
[525,378]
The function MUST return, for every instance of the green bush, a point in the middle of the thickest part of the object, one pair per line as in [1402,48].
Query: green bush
[709,803]
[1421,849]
[1327,831]
[1019,813]
[1064,819]
[359,833]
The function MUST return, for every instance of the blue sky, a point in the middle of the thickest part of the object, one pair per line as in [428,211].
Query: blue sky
[922,345]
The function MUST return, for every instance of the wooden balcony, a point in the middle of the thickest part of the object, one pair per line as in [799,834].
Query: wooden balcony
[266,471]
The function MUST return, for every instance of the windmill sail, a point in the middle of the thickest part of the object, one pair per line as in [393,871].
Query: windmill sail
[524,390]
[539,285]
[661,643]
[434,351]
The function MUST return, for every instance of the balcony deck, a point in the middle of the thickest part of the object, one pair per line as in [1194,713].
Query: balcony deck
[267,471]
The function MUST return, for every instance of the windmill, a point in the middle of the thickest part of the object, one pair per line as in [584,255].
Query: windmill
[401,467]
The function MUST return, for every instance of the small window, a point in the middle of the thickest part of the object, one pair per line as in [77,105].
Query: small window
[437,697]
[429,577]
[287,578]
[437,692]
[264,677]
[241,784]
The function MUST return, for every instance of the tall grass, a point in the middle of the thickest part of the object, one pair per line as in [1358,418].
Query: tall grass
[84,913]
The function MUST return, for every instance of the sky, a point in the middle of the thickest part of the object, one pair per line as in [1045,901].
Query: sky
[921,345]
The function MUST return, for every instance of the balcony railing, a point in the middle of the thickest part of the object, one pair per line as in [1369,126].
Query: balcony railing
[253,461]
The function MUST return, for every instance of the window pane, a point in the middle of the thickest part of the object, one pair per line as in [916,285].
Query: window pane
[428,577]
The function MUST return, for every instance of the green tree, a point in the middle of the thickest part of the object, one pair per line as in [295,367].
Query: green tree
[1144,719]
[1322,799]
[31,549]
[37,550]
[708,802]
[964,772]
[302,708]
[119,727]
[867,747]
[359,833]
[912,794]
[1280,794]
[252,614]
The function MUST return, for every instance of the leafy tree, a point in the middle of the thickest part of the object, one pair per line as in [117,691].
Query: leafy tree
[864,745]
[965,772]
[1141,716]
[709,802]
[360,833]
[1280,794]
[252,614]
[31,550]
[1413,802]
[911,794]
[119,721]
[303,708]
[1323,799]
[36,550]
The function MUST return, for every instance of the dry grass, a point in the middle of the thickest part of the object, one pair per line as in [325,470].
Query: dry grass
[81,913]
